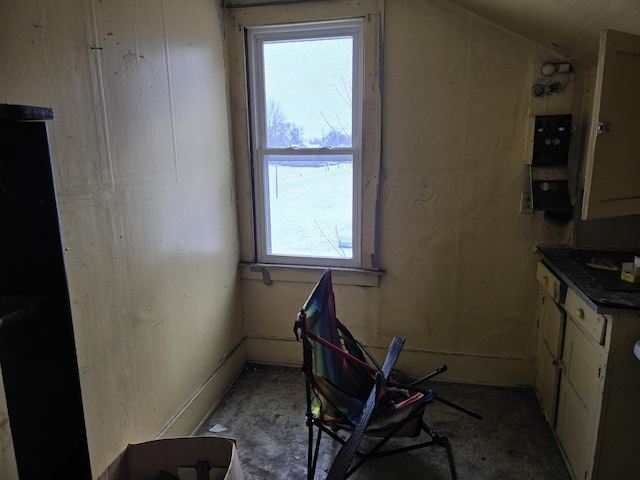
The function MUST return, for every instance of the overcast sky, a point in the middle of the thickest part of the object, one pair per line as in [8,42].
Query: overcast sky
[309,78]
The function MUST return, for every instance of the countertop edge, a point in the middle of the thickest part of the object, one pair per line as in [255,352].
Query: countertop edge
[600,309]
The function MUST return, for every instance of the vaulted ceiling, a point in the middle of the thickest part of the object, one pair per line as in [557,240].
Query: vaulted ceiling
[569,27]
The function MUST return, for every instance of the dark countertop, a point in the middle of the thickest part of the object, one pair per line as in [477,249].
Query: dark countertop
[603,290]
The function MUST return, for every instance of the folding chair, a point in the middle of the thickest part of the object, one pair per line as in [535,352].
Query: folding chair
[346,389]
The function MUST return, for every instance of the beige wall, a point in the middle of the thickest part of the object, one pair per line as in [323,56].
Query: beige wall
[458,257]
[148,205]
[458,254]
[145,183]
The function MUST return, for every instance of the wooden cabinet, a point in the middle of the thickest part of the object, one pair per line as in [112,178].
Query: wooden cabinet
[580,400]
[611,166]
[598,407]
[551,320]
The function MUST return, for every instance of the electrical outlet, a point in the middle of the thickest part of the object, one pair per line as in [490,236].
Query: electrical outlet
[525,202]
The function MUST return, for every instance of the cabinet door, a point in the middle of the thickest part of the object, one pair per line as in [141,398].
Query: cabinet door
[612,167]
[550,332]
[580,398]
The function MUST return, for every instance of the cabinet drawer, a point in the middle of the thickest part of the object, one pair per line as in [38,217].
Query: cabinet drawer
[594,324]
[551,283]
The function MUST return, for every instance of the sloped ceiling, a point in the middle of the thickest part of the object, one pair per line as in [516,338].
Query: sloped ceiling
[570,27]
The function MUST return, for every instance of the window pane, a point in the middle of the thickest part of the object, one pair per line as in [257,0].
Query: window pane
[309,205]
[308,92]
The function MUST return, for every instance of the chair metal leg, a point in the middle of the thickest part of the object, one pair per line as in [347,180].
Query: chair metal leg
[310,459]
[436,440]
[315,455]
[452,467]
[443,442]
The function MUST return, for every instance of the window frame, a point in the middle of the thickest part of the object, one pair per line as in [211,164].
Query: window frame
[256,37]
[238,19]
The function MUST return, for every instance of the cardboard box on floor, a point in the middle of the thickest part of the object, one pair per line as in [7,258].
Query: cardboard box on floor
[146,461]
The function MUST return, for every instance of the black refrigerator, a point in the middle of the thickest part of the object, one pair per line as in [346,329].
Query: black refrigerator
[37,349]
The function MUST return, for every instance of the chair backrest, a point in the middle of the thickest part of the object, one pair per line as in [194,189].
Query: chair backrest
[334,365]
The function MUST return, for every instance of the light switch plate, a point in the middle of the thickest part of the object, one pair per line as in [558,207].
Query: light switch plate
[525,202]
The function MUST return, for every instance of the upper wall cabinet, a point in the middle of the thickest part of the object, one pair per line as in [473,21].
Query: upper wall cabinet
[612,170]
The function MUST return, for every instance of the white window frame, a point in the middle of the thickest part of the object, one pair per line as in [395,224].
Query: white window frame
[256,37]
[239,19]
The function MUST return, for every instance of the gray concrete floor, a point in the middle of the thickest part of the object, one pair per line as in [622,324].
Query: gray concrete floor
[264,411]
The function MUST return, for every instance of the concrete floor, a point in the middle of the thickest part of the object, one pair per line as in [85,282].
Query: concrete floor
[264,410]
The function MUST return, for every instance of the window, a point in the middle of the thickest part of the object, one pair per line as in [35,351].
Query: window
[305,90]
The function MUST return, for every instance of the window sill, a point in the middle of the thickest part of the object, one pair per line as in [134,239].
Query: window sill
[268,272]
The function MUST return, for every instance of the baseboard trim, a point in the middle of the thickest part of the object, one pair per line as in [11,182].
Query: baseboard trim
[189,419]
[462,368]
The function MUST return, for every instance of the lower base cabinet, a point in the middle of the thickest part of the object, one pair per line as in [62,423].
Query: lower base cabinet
[580,398]
[551,325]
[597,414]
